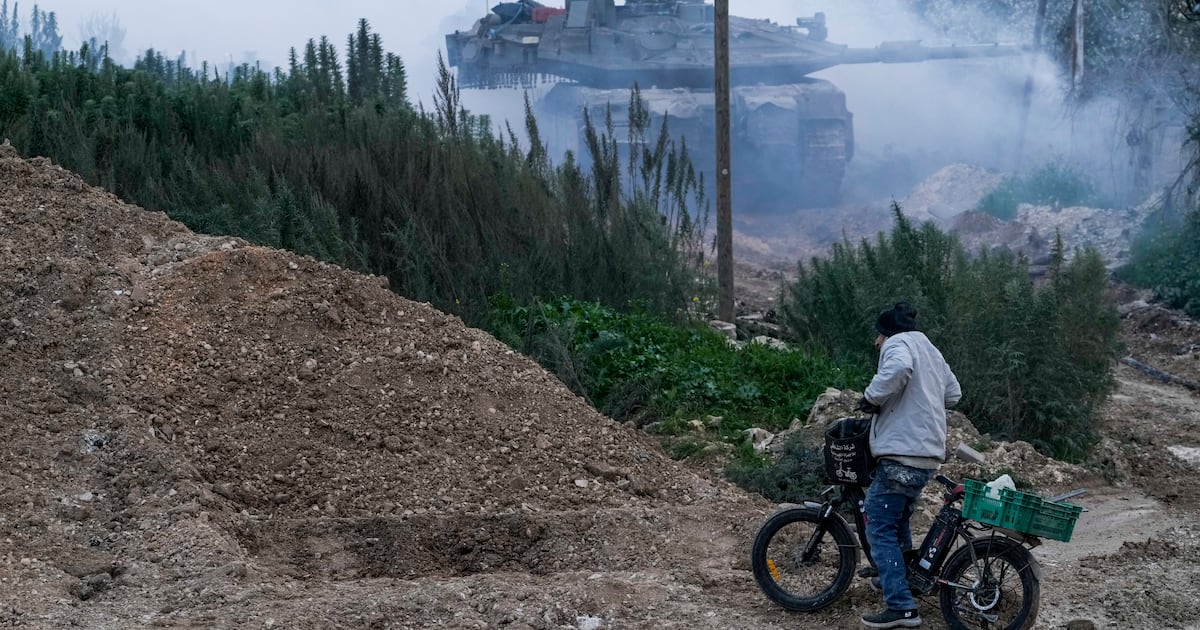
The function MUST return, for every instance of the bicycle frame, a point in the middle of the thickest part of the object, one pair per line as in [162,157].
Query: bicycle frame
[977,571]
[855,496]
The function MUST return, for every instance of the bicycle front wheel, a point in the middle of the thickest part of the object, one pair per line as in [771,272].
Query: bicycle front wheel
[998,589]
[801,564]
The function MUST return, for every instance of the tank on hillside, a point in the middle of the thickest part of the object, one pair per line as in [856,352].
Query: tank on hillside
[792,134]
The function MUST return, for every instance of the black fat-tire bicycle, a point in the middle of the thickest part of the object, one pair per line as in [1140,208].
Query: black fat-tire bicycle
[805,557]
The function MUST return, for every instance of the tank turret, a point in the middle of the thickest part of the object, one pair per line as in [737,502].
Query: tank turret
[792,133]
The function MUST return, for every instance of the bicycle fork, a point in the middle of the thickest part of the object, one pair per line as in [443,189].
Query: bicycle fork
[810,547]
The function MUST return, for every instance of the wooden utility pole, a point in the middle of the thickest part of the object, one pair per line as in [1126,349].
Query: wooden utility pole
[1077,48]
[1039,25]
[724,166]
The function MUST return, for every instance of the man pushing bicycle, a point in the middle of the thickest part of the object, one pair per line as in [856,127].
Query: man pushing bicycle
[908,396]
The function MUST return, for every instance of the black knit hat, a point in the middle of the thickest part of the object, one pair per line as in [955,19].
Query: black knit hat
[900,318]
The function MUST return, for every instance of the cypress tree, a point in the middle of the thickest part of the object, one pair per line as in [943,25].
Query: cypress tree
[311,71]
[353,74]
[35,29]
[396,85]
[375,70]
[324,71]
[362,58]
[339,80]
[9,27]
[51,39]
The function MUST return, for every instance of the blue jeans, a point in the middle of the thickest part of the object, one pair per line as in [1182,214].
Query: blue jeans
[890,502]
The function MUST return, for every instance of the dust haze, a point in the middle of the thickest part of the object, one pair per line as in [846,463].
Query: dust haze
[911,119]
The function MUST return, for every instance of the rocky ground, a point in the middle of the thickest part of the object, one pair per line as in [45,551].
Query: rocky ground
[770,243]
[197,432]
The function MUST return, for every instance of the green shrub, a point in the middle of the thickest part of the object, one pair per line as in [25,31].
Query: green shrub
[1166,258]
[1002,201]
[641,368]
[1034,360]
[798,474]
[1054,182]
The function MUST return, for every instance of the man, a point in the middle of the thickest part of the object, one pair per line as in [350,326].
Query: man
[909,396]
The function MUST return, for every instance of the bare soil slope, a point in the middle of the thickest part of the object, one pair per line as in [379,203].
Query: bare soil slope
[201,433]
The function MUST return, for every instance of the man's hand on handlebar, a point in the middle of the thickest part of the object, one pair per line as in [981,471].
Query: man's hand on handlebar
[867,406]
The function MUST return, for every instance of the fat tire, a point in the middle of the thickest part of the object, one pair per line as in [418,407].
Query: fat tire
[847,559]
[993,547]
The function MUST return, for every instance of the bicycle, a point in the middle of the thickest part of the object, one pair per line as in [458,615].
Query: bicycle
[805,557]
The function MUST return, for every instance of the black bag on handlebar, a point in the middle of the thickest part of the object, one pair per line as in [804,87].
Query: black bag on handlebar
[848,452]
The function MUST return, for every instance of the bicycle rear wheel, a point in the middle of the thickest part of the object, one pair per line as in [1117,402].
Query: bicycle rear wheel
[800,566]
[999,590]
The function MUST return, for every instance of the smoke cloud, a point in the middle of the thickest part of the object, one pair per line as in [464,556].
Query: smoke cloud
[912,119]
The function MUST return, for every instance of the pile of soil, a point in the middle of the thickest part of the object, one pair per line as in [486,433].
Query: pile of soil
[198,432]
[185,410]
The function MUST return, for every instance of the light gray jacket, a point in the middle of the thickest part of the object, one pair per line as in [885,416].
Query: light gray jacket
[913,387]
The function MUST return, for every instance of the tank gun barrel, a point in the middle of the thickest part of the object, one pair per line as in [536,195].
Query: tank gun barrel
[913,51]
[662,43]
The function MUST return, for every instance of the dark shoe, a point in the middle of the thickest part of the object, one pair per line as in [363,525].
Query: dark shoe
[893,619]
[868,572]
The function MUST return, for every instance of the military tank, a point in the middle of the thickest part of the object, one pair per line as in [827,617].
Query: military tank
[792,133]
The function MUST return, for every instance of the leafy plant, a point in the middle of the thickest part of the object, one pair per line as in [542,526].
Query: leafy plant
[642,368]
[798,473]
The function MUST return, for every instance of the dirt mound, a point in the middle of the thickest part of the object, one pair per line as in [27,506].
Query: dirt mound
[1153,431]
[188,412]
[1167,339]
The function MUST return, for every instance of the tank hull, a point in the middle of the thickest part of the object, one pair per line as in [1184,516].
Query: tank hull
[791,143]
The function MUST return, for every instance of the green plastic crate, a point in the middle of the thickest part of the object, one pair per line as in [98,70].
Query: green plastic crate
[1019,512]
[1055,521]
[1019,509]
[977,506]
